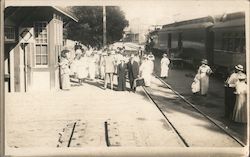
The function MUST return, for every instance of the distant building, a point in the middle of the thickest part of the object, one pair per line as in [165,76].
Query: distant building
[33,42]
[135,32]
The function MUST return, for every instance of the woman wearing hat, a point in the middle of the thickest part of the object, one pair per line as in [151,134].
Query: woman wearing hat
[64,69]
[240,108]
[164,66]
[204,72]
[230,84]
[145,71]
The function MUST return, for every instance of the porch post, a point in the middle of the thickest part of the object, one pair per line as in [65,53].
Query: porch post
[2,128]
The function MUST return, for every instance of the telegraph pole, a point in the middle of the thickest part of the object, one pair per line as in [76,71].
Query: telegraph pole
[104,26]
[2,115]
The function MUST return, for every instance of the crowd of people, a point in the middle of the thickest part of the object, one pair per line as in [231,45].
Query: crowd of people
[138,68]
[103,64]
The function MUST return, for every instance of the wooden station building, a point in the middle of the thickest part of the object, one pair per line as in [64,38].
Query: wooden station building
[32,45]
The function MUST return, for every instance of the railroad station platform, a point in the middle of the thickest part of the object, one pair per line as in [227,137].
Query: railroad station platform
[45,119]
[53,119]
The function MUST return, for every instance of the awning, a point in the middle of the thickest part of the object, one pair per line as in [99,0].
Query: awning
[66,13]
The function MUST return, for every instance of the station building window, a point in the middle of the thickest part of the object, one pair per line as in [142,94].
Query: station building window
[41,38]
[9,34]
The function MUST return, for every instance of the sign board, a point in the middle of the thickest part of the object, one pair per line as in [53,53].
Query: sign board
[26,35]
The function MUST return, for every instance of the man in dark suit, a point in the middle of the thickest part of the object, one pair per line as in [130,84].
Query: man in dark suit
[121,75]
[133,71]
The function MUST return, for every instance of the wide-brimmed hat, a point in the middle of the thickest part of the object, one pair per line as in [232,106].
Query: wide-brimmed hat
[242,77]
[239,67]
[78,51]
[204,61]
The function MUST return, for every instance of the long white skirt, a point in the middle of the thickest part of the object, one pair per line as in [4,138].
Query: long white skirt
[204,84]
[92,71]
[82,72]
[164,71]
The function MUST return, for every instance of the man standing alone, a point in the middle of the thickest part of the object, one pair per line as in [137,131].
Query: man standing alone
[133,71]
[109,69]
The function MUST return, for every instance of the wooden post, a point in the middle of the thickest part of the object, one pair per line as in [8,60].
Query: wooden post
[2,119]
[104,27]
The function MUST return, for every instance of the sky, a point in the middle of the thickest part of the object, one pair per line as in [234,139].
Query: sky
[159,12]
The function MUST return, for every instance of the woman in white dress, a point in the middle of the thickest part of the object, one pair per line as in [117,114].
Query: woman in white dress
[240,108]
[82,72]
[164,66]
[204,72]
[92,67]
[146,71]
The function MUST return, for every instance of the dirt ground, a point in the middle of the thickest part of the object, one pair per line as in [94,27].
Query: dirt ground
[213,105]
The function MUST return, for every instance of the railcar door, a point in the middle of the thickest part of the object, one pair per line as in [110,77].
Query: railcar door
[210,46]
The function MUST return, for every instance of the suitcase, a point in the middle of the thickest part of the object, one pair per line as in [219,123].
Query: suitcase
[140,82]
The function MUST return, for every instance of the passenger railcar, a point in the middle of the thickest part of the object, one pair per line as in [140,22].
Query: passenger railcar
[229,42]
[219,39]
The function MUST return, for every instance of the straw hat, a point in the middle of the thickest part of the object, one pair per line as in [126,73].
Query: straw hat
[239,67]
[204,61]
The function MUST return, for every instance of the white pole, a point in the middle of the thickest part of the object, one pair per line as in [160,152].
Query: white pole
[104,27]
[2,115]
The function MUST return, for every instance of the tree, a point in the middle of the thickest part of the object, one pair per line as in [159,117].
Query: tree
[89,29]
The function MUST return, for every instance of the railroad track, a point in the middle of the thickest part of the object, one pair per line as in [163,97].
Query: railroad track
[190,105]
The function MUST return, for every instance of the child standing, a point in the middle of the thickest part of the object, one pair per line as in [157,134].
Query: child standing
[64,69]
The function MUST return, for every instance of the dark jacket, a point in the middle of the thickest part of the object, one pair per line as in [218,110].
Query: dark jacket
[133,70]
[122,70]
[121,79]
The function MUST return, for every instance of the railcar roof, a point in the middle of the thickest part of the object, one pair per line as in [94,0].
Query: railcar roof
[189,22]
[231,23]
[188,26]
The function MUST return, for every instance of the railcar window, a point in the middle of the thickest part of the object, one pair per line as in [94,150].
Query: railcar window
[233,42]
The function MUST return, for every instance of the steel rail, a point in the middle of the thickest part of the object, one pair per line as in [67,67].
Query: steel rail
[202,113]
[106,134]
[71,135]
[177,132]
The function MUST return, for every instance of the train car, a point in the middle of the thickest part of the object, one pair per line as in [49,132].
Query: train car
[229,42]
[189,40]
[220,39]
